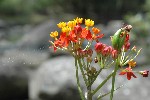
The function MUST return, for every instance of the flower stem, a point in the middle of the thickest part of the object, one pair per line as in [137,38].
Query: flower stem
[89,94]
[78,83]
[101,96]
[113,80]
[82,71]
[108,77]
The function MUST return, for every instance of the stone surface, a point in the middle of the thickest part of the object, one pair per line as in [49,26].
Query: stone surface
[15,69]
[38,36]
[56,76]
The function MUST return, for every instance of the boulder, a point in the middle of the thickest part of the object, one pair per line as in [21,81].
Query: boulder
[55,80]
[15,69]
[38,36]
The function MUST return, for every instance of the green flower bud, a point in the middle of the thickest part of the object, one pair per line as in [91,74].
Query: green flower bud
[118,40]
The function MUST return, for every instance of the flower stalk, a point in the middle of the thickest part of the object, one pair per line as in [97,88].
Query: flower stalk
[78,82]
[113,78]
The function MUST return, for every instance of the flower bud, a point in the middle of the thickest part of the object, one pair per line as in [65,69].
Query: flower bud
[110,49]
[114,54]
[90,52]
[118,40]
[126,46]
[127,37]
[105,51]
[98,47]
[120,37]
[144,73]
[78,29]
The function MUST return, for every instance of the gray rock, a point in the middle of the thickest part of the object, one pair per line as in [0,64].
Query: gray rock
[15,69]
[56,78]
[110,28]
[2,24]
[38,36]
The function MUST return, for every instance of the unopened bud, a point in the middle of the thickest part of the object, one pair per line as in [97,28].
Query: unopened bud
[114,54]
[144,73]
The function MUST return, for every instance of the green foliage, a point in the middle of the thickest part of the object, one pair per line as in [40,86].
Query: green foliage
[141,21]
[97,9]
[101,9]
[147,5]
[141,24]
[14,7]
[42,5]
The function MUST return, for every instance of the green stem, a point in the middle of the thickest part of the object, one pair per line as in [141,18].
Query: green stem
[108,77]
[84,65]
[99,97]
[82,71]
[88,45]
[100,61]
[89,94]
[113,80]
[78,82]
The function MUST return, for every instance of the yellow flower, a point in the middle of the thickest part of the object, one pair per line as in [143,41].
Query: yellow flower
[65,29]
[71,24]
[61,24]
[54,34]
[89,22]
[79,20]
[132,63]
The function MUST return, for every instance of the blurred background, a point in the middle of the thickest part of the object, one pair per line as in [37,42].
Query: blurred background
[29,70]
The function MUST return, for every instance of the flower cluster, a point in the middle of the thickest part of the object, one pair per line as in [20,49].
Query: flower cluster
[72,38]
[72,35]
[105,50]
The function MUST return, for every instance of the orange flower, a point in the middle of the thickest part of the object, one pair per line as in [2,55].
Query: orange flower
[132,63]
[57,43]
[129,73]
[86,34]
[95,30]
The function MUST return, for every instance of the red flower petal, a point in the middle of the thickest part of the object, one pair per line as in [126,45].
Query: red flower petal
[129,75]
[122,73]
[134,75]
[100,36]
[84,33]
[89,35]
